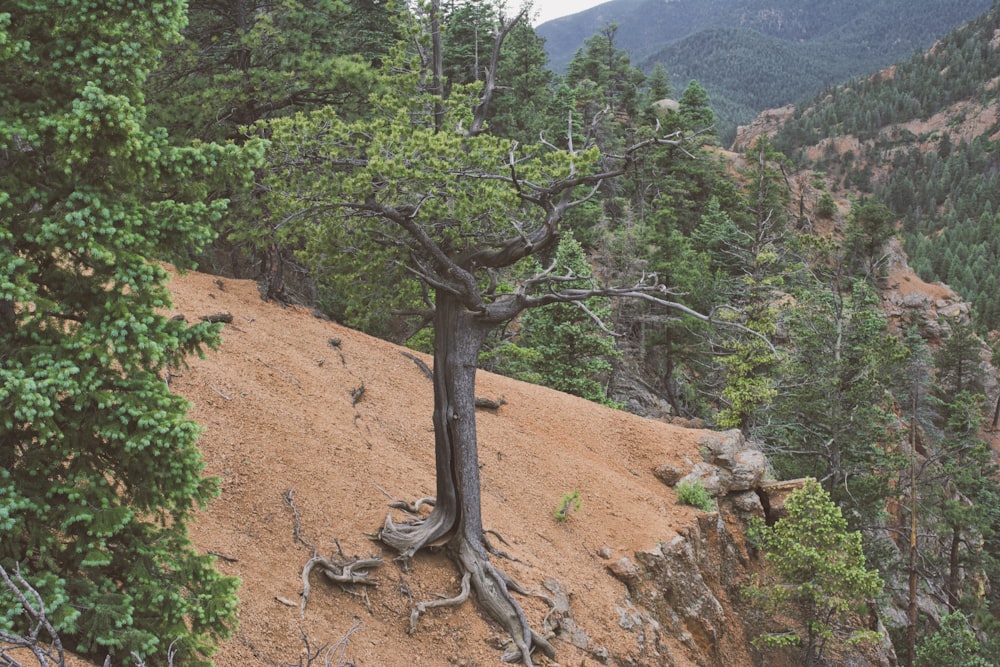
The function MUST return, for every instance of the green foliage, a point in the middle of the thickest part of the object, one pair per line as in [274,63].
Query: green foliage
[695,494]
[246,60]
[606,72]
[826,207]
[870,226]
[569,503]
[831,419]
[696,110]
[820,575]
[561,346]
[99,469]
[955,644]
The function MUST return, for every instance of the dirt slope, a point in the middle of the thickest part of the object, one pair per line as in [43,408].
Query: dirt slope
[277,407]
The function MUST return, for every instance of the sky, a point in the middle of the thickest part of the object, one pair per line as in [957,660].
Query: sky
[551,9]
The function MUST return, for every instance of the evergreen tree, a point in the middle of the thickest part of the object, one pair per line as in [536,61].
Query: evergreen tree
[955,644]
[570,352]
[696,110]
[821,578]
[870,226]
[99,469]
[830,419]
[659,83]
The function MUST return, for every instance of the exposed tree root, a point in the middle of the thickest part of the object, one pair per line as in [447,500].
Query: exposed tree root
[414,507]
[408,538]
[354,571]
[491,585]
[493,594]
[421,607]
[494,551]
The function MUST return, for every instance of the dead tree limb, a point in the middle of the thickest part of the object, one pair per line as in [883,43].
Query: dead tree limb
[354,571]
[421,608]
[424,368]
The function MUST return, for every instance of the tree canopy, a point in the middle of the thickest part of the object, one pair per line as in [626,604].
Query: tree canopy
[99,468]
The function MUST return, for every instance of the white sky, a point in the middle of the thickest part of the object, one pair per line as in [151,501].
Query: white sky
[551,9]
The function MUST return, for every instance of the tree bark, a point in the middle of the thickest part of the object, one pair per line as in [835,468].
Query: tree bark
[456,519]
[954,567]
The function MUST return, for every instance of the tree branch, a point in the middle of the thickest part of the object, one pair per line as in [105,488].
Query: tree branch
[490,86]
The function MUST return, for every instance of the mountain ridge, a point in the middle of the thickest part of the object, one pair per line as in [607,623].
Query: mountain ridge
[826,42]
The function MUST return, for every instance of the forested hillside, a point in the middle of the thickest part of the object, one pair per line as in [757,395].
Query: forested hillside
[923,137]
[756,54]
[430,182]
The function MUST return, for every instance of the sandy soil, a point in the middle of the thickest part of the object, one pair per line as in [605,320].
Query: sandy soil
[279,416]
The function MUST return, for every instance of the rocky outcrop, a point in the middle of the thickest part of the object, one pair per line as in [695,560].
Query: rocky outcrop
[685,602]
[678,593]
[767,123]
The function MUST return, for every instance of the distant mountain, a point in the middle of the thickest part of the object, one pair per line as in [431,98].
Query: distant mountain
[755,54]
[924,136]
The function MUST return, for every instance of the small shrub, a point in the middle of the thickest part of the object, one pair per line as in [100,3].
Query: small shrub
[570,503]
[826,206]
[695,494]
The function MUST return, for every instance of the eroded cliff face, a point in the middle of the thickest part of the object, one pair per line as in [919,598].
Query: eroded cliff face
[685,601]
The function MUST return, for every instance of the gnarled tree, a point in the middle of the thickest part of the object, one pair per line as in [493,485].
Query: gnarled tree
[423,188]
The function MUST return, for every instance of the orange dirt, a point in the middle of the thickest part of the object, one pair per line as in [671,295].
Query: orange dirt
[276,405]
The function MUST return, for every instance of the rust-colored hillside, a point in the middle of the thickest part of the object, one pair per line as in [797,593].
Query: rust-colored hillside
[284,414]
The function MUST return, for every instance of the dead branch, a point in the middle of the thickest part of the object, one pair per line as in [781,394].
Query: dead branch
[356,394]
[421,608]
[290,500]
[329,655]
[420,364]
[34,610]
[225,318]
[489,404]
[218,392]
[354,571]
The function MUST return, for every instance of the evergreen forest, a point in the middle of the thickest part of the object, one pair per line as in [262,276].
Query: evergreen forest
[753,55]
[417,172]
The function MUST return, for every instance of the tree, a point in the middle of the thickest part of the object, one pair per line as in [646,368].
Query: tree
[758,264]
[569,351]
[820,575]
[696,110]
[659,83]
[871,224]
[610,69]
[423,187]
[954,644]
[830,419]
[99,469]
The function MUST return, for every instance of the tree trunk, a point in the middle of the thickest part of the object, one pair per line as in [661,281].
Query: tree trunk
[954,567]
[456,519]
[996,414]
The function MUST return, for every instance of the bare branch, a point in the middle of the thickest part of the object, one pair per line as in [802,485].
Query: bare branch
[34,610]
[597,320]
[638,292]
[421,608]
[490,86]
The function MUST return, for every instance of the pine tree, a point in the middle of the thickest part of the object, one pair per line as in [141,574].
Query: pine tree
[821,578]
[570,352]
[99,469]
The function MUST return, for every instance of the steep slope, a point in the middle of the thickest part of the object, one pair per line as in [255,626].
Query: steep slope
[922,135]
[299,409]
[754,54]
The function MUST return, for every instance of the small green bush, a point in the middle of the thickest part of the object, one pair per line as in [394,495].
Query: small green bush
[826,206]
[695,494]
[570,503]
